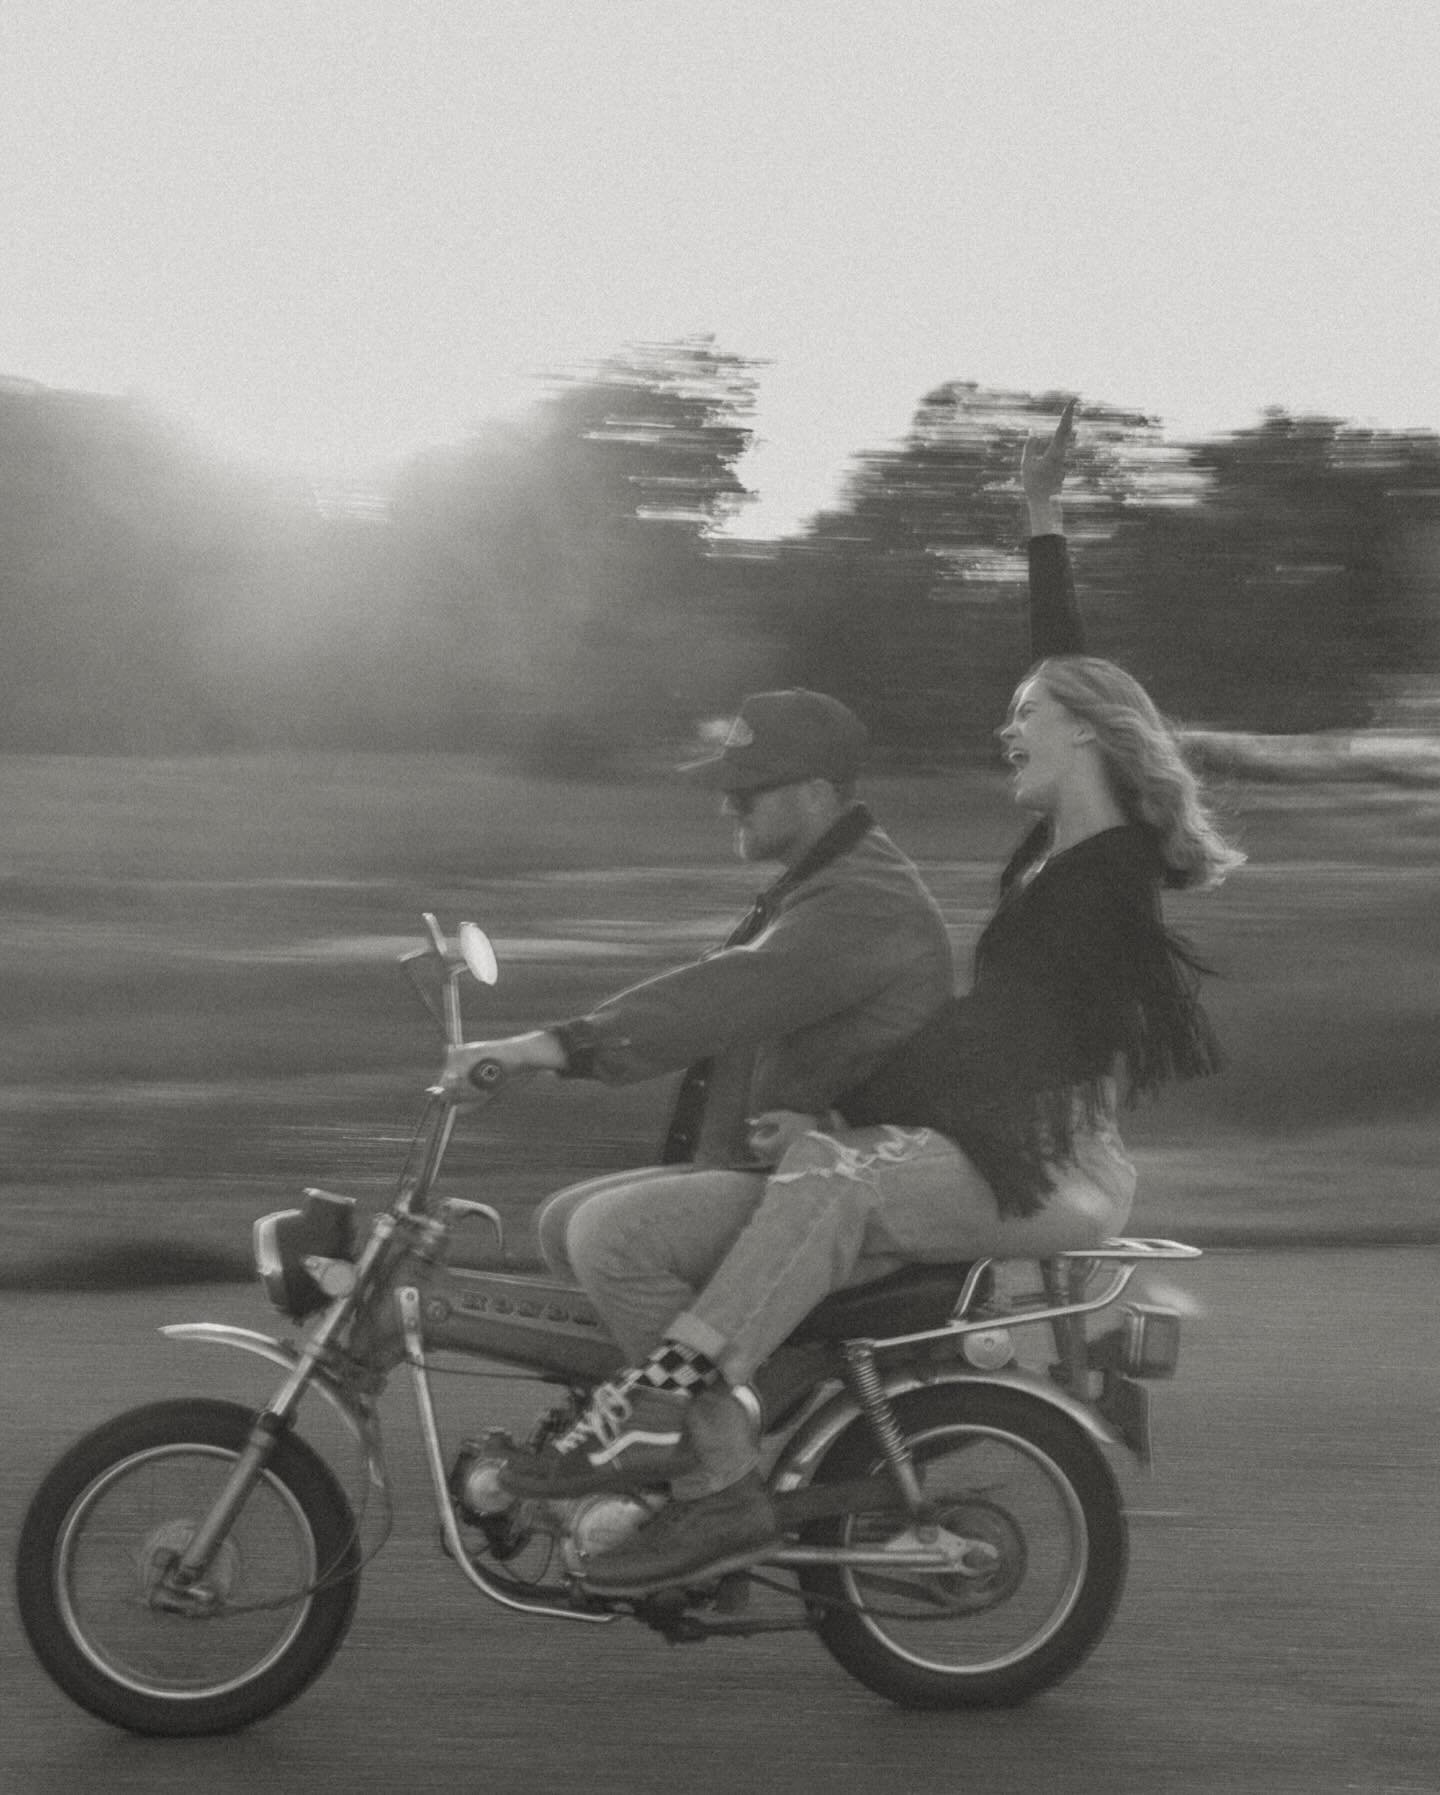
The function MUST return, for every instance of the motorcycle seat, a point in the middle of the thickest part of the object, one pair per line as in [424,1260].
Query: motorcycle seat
[903,1302]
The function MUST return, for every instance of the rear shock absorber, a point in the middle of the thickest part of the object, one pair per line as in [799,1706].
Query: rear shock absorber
[864,1379]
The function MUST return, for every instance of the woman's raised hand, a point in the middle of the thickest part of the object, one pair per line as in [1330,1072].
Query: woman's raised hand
[1042,473]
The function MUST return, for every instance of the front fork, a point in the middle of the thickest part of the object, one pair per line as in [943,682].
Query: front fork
[275,1419]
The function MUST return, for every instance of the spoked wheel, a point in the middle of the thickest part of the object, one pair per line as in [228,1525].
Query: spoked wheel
[1031,1508]
[102,1532]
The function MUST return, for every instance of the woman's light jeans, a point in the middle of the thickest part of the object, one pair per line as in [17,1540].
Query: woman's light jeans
[730,1262]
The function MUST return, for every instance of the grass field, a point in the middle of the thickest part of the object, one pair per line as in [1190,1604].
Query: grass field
[201,1010]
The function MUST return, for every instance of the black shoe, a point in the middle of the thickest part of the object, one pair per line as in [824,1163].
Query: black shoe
[630,1436]
[686,1542]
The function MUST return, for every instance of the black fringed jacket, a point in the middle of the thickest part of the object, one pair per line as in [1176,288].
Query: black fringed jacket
[1076,980]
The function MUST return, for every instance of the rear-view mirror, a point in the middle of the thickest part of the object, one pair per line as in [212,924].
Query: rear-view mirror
[478,954]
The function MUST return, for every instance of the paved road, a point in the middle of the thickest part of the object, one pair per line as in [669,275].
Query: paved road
[1280,1632]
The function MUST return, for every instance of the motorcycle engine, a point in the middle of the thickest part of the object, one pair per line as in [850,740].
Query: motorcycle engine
[598,1522]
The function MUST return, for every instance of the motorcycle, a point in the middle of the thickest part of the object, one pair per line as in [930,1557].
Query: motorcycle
[952,1526]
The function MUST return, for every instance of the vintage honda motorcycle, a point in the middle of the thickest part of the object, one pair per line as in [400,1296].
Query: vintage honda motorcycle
[952,1528]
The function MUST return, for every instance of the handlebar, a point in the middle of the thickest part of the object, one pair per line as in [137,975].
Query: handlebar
[440,995]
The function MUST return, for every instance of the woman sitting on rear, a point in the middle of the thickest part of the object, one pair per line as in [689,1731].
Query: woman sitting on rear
[1080,993]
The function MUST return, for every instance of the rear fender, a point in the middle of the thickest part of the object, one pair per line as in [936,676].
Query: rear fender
[217,1333]
[815,1436]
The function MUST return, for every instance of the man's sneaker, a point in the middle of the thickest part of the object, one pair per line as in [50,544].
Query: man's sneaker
[686,1542]
[631,1435]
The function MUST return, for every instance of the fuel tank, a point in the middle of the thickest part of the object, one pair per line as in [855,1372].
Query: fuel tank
[538,1322]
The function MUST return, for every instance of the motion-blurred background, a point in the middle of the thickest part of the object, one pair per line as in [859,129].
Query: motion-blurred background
[417,421]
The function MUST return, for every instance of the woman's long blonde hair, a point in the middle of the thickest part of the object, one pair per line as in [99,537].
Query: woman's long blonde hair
[1147,771]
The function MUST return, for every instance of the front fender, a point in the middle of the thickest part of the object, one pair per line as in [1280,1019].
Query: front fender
[815,1436]
[219,1333]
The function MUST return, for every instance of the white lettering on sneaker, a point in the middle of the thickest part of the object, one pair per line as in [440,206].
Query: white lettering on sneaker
[607,1423]
[608,1409]
[636,1437]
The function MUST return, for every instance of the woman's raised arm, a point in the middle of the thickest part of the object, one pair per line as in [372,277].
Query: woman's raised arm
[1055,623]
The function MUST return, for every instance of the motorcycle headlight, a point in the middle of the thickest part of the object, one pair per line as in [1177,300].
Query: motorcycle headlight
[304,1255]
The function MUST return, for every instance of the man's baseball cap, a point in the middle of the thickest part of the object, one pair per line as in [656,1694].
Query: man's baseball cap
[784,737]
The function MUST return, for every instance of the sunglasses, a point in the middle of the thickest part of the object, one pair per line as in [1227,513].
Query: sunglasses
[742,803]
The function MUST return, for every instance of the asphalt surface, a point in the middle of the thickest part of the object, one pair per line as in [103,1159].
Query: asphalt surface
[1280,1631]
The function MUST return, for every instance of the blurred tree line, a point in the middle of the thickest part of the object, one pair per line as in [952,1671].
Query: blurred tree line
[560,589]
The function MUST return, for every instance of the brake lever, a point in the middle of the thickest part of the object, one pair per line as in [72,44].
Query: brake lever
[453,962]
[408,964]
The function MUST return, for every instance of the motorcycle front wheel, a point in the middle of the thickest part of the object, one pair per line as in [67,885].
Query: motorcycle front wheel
[1045,1544]
[114,1514]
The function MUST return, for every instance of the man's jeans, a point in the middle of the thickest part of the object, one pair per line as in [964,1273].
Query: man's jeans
[730,1262]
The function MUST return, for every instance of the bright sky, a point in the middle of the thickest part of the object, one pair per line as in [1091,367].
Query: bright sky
[328,232]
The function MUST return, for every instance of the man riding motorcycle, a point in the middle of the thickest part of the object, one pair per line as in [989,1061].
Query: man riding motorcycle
[840,959]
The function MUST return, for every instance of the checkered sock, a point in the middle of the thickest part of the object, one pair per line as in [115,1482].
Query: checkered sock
[677,1370]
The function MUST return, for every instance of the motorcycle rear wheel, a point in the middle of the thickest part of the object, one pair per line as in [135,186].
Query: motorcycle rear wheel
[1025,1484]
[118,1507]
